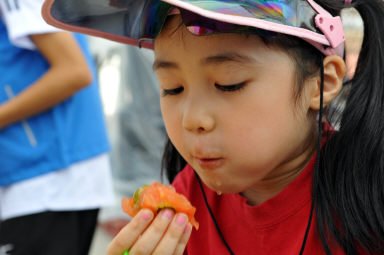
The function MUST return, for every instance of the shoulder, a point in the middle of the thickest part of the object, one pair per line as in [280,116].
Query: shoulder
[29,11]
[17,7]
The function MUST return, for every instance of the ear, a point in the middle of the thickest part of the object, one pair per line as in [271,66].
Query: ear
[334,72]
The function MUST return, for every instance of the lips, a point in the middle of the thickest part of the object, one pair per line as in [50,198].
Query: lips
[209,163]
[206,155]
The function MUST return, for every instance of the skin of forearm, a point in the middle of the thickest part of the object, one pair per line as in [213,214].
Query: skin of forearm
[55,86]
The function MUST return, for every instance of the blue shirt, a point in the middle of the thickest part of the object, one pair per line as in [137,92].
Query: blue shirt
[69,132]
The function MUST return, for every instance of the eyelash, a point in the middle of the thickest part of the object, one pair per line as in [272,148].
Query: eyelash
[172,92]
[230,88]
[224,88]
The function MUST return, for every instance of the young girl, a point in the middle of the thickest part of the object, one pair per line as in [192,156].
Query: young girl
[243,85]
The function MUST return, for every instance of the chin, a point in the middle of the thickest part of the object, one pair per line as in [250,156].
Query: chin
[219,184]
[224,189]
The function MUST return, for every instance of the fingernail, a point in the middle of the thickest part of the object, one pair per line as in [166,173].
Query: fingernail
[180,220]
[145,216]
[187,228]
[168,214]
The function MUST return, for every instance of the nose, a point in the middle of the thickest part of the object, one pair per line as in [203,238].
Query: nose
[197,116]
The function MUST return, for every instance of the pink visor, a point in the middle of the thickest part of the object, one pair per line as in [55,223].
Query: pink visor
[138,22]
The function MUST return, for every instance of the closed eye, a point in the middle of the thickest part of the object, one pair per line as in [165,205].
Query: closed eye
[230,88]
[172,92]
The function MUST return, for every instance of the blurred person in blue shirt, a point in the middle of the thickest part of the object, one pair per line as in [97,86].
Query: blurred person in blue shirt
[54,172]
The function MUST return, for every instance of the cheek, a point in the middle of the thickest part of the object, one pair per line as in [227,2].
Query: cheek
[265,126]
[171,118]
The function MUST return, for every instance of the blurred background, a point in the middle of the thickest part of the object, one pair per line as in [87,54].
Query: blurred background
[130,97]
[129,94]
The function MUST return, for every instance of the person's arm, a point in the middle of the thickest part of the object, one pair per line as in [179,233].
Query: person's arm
[68,73]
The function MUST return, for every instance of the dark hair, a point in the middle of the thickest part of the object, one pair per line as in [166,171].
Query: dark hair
[348,187]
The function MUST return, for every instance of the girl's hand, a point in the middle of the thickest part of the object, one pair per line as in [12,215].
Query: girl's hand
[165,234]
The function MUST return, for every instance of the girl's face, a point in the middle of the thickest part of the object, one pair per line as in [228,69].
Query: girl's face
[228,107]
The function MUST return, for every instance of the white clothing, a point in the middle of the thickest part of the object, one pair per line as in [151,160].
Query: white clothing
[84,185]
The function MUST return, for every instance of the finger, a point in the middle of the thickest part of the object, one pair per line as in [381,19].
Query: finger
[179,250]
[151,237]
[130,233]
[171,238]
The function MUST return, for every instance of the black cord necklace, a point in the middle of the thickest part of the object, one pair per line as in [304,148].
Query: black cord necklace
[213,217]
[317,162]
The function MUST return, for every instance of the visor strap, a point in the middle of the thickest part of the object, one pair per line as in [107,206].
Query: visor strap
[332,27]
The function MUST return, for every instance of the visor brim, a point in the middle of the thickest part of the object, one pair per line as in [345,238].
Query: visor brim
[122,23]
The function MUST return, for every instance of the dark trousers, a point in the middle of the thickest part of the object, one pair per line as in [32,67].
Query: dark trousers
[49,233]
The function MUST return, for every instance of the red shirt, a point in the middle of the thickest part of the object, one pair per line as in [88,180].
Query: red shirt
[275,227]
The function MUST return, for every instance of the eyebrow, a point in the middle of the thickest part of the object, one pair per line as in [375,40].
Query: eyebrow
[228,57]
[210,60]
[162,64]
